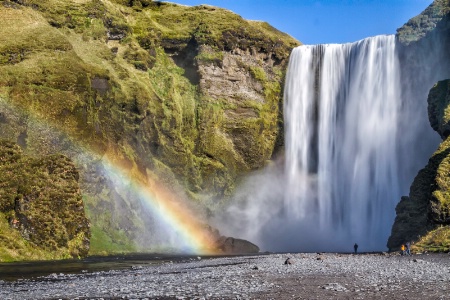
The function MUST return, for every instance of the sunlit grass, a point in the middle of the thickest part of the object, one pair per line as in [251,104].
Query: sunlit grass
[437,240]
[13,247]
[52,50]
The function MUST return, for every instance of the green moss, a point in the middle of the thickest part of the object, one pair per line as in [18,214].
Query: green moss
[441,195]
[175,113]
[40,199]
[217,27]
[211,57]
[427,204]
[258,73]
[104,244]
[437,240]
[438,107]
[419,26]
[13,247]
[121,78]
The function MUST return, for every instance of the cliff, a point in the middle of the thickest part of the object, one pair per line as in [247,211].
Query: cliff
[424,25]
[423,216]
[141,91]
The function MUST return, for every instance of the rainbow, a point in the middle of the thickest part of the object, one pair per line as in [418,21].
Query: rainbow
[192,236]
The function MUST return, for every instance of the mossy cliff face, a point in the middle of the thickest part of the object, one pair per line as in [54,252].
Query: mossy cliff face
[41,210]
[439,108]
[422,25]
[237,68]
[424,216]
[186,96]
[423,45]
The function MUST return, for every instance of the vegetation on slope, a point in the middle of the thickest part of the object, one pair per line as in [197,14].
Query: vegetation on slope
[419,26]
[123,79]
[424,216]
[40,207]
[437,240]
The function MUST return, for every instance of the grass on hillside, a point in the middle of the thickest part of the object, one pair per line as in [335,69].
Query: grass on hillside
[14,248]
[437,240]
[52,50]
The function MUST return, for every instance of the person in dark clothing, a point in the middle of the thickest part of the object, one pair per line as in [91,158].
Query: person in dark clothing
[355,247]
[408,248]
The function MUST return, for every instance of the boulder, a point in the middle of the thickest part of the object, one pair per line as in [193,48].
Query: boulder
[230,245]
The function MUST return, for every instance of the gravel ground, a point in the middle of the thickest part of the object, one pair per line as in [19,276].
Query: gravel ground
[310,276]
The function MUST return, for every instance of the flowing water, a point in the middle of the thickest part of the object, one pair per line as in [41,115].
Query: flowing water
[341,119]
[356,134]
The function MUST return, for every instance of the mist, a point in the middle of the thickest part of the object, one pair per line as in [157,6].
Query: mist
[356,134]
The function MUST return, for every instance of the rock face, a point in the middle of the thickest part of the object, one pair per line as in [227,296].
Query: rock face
[420,26]
[423,216]
[134,91]
[41,200]
[427,208]
[423,44]
[438,108]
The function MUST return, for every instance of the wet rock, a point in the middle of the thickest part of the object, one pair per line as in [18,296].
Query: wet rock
[231,245]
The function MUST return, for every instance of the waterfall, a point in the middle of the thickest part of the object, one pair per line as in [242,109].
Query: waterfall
[341,110]
[356,134]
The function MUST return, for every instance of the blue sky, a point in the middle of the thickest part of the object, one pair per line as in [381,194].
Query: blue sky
[330,21]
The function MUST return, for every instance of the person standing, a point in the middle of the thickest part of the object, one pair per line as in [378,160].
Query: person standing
[355,247]
[408,248]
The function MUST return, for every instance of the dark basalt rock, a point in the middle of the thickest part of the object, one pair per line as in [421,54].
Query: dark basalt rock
[438,101]
[423,51]
[231,245]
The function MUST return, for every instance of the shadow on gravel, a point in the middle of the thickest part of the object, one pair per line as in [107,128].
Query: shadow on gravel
[32,270]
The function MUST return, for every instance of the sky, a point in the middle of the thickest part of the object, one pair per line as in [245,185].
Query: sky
[326,21]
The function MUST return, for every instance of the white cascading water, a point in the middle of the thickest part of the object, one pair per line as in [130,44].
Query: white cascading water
[341,110]
[356,134]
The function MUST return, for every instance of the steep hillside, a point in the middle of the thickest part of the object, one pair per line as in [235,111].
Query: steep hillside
[139,91]
[41,211]
[423,25]
[423,216]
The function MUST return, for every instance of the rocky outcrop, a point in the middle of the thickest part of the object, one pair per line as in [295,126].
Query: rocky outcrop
[238,66]
[420,26]
[438,108]
[40,198]
[428,205]
[231,245]
[413,218]
[424,42]
[438,105]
